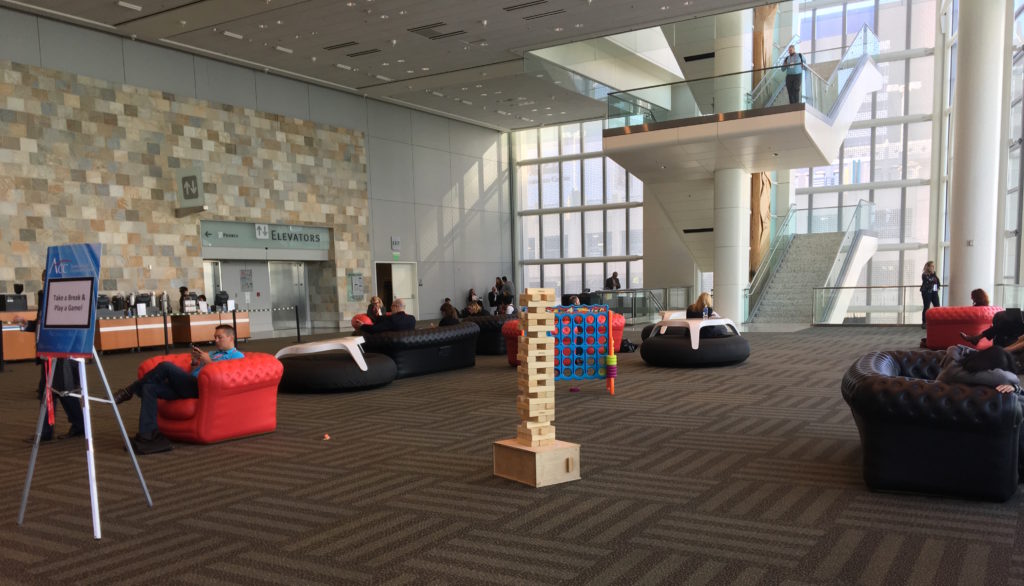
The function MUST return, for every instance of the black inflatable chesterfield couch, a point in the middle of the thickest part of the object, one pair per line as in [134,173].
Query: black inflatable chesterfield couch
[490,342]
[427,350]
[921,435]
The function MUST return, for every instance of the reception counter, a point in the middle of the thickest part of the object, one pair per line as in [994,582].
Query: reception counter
[115,334]
[150,331]
[195,328]
[18,345]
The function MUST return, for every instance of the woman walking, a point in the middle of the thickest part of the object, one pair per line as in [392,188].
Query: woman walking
[929,289]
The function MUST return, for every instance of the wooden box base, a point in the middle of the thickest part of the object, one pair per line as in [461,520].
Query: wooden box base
[537,466]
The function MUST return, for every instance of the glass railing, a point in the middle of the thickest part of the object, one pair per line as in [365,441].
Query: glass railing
[862,219]
[565,78]
[884,305]
[776,252]
[1008,295]
[823,220]
[640,306]
[769,88]
[737,92]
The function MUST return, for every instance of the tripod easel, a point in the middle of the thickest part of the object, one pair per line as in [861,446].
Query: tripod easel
[90,458]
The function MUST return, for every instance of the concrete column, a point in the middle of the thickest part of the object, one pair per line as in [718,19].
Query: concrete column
[733,54]
[732,241]
[974,197]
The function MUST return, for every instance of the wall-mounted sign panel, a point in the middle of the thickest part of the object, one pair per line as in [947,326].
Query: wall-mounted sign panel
[243,240]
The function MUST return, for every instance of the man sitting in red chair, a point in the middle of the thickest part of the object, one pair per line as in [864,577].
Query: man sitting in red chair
[167,381]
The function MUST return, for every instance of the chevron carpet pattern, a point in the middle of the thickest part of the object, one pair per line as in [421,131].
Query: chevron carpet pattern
[741,475]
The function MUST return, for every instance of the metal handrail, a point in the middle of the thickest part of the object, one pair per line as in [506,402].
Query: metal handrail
[776,252]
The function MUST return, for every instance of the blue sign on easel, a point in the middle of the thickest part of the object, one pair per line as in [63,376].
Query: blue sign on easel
[67,319]
[67,322]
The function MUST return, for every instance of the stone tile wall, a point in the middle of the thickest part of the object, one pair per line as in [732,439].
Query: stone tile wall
[85,160]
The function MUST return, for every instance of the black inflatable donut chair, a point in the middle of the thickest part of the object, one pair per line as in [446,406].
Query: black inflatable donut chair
[335,372]
[718,347]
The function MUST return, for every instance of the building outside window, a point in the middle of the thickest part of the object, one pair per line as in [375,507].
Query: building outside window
[887,155]
[580,213]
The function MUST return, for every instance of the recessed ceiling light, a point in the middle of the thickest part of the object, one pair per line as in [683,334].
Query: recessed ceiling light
[313,59]
[578,25]
[484,43]
[424,68]
[182,22]
[402,12]
[562,113]
[382,77]
[540,75]
[262,26]
[384,17]
[484,95]
[284,49]
[479,85]
[664,7]
[559,29]
[400,61]
[343,66]
[350,4]
[130,6]
[280,22]
[385,64]
[232,35]
[410,71]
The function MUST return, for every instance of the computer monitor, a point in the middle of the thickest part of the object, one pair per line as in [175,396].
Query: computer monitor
[144,298]
[102,301]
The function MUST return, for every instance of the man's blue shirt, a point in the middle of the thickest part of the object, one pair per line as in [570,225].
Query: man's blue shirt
[217,356]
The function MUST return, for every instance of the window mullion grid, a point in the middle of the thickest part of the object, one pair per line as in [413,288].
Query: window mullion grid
[604,213]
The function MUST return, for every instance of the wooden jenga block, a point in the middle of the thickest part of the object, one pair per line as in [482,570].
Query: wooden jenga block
[542,354]
[536,389]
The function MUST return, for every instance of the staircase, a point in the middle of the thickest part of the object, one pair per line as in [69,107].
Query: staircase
[790,294]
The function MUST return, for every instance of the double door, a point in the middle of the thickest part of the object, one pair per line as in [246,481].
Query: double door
[288,289]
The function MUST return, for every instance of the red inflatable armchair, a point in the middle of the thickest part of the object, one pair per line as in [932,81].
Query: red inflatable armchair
[237,398]
[946,323]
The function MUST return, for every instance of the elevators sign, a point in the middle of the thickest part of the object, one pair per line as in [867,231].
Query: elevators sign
[190,188]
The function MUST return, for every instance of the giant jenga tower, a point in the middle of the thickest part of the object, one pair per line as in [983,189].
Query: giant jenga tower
[535,457]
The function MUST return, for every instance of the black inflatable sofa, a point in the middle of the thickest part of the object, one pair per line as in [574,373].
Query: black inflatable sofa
[427,350]
[490,342]
[921,435]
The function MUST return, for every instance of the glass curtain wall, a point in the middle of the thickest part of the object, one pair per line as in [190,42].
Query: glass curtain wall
[1013,205]
[887,155]
[580,213]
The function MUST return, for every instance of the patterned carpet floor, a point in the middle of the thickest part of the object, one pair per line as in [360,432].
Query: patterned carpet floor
[740,475]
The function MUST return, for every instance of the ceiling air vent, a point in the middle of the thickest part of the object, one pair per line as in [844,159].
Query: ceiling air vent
[515,7]
[340,46]
[367,52]
[430,31]
[544,14]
